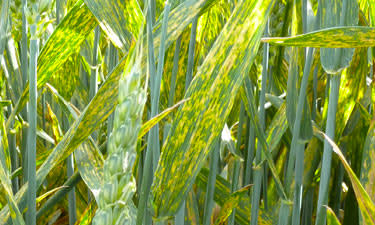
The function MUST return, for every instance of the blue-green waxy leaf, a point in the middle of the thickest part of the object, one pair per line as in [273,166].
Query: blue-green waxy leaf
[335,37]
[198,123]
[337,13]
[63,42]
[121,20]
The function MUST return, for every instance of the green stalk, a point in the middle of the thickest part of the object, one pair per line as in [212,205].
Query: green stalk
[113,59]
[250,155]
[321,214]
[237,163]
[94,71]
[32,118]
[315,94]
[190,65]
[153,146]
[209,198]
[258,172]
[327,153]
[24,66]
[13,156]
[308,207]
[296,146]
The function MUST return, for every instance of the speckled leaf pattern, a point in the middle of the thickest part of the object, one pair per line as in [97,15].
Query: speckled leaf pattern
[222,192]
[120,20]
[366,205]
[104,102]
[368,163]
[198,123]
[63,42]
[335,37]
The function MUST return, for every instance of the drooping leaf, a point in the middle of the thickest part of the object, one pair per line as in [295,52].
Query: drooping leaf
[365,203]
[198,123]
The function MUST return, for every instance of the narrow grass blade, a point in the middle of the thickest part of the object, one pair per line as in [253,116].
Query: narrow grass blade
[365,203]
[32,117]
[151,122]
[198,123]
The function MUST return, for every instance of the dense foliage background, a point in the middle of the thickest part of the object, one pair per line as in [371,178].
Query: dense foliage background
[187,112]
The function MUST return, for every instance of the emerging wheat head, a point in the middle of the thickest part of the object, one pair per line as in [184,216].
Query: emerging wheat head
[115,204]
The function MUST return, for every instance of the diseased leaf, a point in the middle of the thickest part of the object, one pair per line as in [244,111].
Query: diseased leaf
[335,37]
[198,123]
[120,20]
